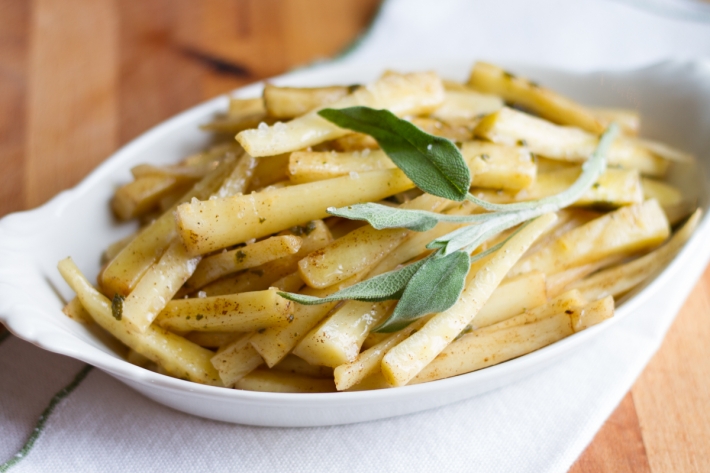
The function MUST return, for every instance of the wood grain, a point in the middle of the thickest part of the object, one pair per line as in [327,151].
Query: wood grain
[618,447]
[14,45]
[72,104]
[672,395]
[80,77]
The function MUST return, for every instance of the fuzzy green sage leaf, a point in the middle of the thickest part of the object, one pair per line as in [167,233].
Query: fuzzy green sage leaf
[435,287]
[433,163]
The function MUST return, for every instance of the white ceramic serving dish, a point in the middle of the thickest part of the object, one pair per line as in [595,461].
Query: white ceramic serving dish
[673,98]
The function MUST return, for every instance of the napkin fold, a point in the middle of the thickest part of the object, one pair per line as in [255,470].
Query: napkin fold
[539,424]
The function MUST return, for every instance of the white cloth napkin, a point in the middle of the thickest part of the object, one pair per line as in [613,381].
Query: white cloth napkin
[541,424]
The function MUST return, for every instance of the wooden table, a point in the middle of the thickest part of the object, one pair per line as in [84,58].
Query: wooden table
[79,78]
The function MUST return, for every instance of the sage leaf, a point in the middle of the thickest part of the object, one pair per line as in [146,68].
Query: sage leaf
[435,287]
[383,287]
[434,164]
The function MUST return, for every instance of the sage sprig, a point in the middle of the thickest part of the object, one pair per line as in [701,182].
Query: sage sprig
[435,165]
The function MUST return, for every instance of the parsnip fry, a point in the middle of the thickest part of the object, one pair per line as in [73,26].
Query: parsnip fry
[296,365]
[236,360]
[592,314]
[228,262]
[282,382]
[546,103]
[359,249]
[274,343]
[180,357]
[213,339]
[466,105]
[402,94]
[125,270]
[142,195]
[314,236]
[243,312]
[215,224]
[568,302]
[620,279]
[499,167]
[616,187]
[624,231]
[473,352]
[157,286]
[309,166]
[492,166]
[291,102]
[75,311]
[669,197]
[511,127]
[403,362]
[368,362]
[512,297]
[628,120]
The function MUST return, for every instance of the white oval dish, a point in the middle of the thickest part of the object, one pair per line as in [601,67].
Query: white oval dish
[673,98]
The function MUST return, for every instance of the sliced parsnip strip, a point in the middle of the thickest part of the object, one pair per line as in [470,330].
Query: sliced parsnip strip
[125,270]
[340,336]
[157,286]
[665,151]
[499,167]
[368,362]
[261,277]
[615,187]
[180,357]
[567,302]
[484,348]
[165,278]
[670,198]
[511,127]
[546,103]
[622,232]
[214,267]
[244,312]
[628,120]
[274,343]
[492,165]
[275,381]
[114,248]
[592,314]
[289,283]
[213,339]
[75,311]
[291,102]
[338,339]
[142,195]
[465,105]
[402,94]
[309,166]
[454,130]
[236,360]
[512,297]
[359,249]
[473,352]
[403,362]
[296,365]
[215,224]
[558,282]
[617,280]
[269,171]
